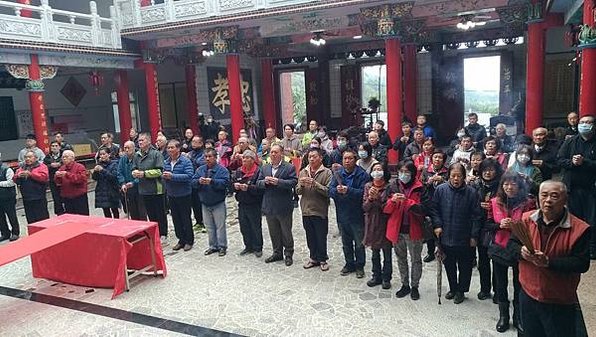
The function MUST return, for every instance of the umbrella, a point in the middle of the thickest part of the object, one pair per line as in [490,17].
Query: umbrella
[440,256]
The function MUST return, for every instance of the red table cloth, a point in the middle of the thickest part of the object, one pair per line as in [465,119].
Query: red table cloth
[100,256]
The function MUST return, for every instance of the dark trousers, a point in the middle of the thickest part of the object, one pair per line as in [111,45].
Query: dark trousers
[280,231]
[78,205]
[316,229]
[458,265]
[484,269]
[111,212]
[501,272]
[58,204]
[156,211]
[384,273]
[547,320]
[197,207]
[581,204]
[8,209]
[352,235]
[430,246]
[180,210]
[135,205]
[36,210]
[251,228]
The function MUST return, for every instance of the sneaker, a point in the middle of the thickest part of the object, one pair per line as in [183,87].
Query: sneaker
[324,266]
[210,251]
[359,273]
[345,271]
[245,251]
[403,291]
[273,258]
[187,247]
[13,237]
[288,261]
[386,285]
[178,246]
[450,295]
[459,297]
[164,240]
[415,295]
[484,295]
[259,253]
[429,258]
[222,252]
[373,282]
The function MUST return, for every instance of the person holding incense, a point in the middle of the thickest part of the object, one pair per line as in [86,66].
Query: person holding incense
[510,203]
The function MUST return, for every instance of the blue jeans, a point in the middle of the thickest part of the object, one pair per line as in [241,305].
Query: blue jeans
[215,222]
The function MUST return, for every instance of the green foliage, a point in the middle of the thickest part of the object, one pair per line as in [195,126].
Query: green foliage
[299,97]
[482,101]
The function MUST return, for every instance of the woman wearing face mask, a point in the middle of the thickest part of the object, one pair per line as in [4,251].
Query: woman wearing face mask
[107,190]
[366,160]
[510,203]
[487,186]
[315,143]
[375,225]
[524,167]
[404,227]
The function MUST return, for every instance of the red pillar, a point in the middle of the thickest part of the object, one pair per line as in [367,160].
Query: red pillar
[394,91]
[411,81]
[152,89]
[587,91]
[38,114]
[191,98]
[237,116]
[124,116]
[268,94]
[535,76]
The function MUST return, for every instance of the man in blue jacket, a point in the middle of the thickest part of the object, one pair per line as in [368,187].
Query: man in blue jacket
[130,185]
[177,174]
[212,180]
[197,157]
[346,189]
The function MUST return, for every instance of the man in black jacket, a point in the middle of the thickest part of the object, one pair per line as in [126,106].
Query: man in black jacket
[545,153]
[477,131]
[384,138]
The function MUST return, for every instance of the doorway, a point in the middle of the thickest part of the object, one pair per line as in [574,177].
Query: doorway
[292,96]
[482,86]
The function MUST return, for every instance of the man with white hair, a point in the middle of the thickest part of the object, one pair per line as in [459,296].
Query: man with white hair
[502,137]
[72,179]
[161,143]
[32,179]
[8,201]
[379,151]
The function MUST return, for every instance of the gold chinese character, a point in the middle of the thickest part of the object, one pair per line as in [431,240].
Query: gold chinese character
[221,88]
[246,99]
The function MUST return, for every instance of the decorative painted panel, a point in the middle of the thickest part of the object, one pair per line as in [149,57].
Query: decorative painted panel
[229,5]
[185,9]
[88,61]
[20,28]
[73,34]
[153,14]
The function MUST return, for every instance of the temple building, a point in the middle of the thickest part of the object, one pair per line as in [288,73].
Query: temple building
[86,68]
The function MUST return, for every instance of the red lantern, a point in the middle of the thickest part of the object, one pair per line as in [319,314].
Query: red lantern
[96,80]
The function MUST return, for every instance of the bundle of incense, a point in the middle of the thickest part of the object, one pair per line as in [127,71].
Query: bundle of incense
[521,231]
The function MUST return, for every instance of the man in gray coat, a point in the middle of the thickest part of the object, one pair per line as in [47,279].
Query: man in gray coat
[278,180]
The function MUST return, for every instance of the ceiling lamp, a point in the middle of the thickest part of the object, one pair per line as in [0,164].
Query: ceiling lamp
[467,23]
[207,52]
[318,40]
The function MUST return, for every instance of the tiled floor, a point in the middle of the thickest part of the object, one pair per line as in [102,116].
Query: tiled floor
[245,296]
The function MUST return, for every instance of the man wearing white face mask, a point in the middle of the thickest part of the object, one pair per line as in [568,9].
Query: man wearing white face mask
[577,158]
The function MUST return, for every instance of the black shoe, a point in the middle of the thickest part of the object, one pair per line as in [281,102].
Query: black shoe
[288,261]
[459,298]
[13,237]
[259,253]
[483,295]
[360,273]
[346,270]
[593,255]
[403,291]
[296,204]
[415,295]
[187,247]
[517,323]
[373,282]
[245,251]
[211,251]
[503,323]
[222,252]
[450,295]
[273,258]
[4,238]
[178,246]
[386,285]
[429,258]
[495,301]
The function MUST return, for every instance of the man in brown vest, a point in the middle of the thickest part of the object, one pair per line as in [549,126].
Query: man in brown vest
[549,276]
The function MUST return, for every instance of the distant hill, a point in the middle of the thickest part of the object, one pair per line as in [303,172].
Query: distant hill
[482,101]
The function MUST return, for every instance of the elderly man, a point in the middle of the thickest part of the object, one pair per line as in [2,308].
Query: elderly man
[572,121]
[161,144]
[502,137]
[346,189]
[414,147]
[53,161]
[71,177]
[379,151]
[177,174]
[8,201]
[278,180]
[549,275]
[30,145]
[313,185]
[212,180]
[243,145]
[130,185]
[545,153]
[313,130]
[577,158]
[32,179]
[147,168]
[270,137]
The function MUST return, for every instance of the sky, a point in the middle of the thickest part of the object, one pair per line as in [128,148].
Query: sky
[482,73]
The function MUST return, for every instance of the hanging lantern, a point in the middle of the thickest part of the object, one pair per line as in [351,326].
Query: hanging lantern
[96,80]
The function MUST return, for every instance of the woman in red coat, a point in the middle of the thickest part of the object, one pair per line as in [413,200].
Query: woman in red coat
[404,227]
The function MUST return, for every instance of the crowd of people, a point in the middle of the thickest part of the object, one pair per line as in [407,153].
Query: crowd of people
[461,202]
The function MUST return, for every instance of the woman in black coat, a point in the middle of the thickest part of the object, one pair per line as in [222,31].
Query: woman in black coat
[107,192]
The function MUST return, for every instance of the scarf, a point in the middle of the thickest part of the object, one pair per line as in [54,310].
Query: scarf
[248,173]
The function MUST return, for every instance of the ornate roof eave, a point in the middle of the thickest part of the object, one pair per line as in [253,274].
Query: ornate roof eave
[65,48]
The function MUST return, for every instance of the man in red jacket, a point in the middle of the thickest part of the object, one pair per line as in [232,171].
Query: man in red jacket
[549,276]
[72,179]
[32,179]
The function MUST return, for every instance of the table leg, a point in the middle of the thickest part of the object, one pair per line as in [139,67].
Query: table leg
[153,258]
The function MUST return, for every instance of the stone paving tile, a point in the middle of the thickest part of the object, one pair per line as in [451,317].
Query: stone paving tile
[244,295]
